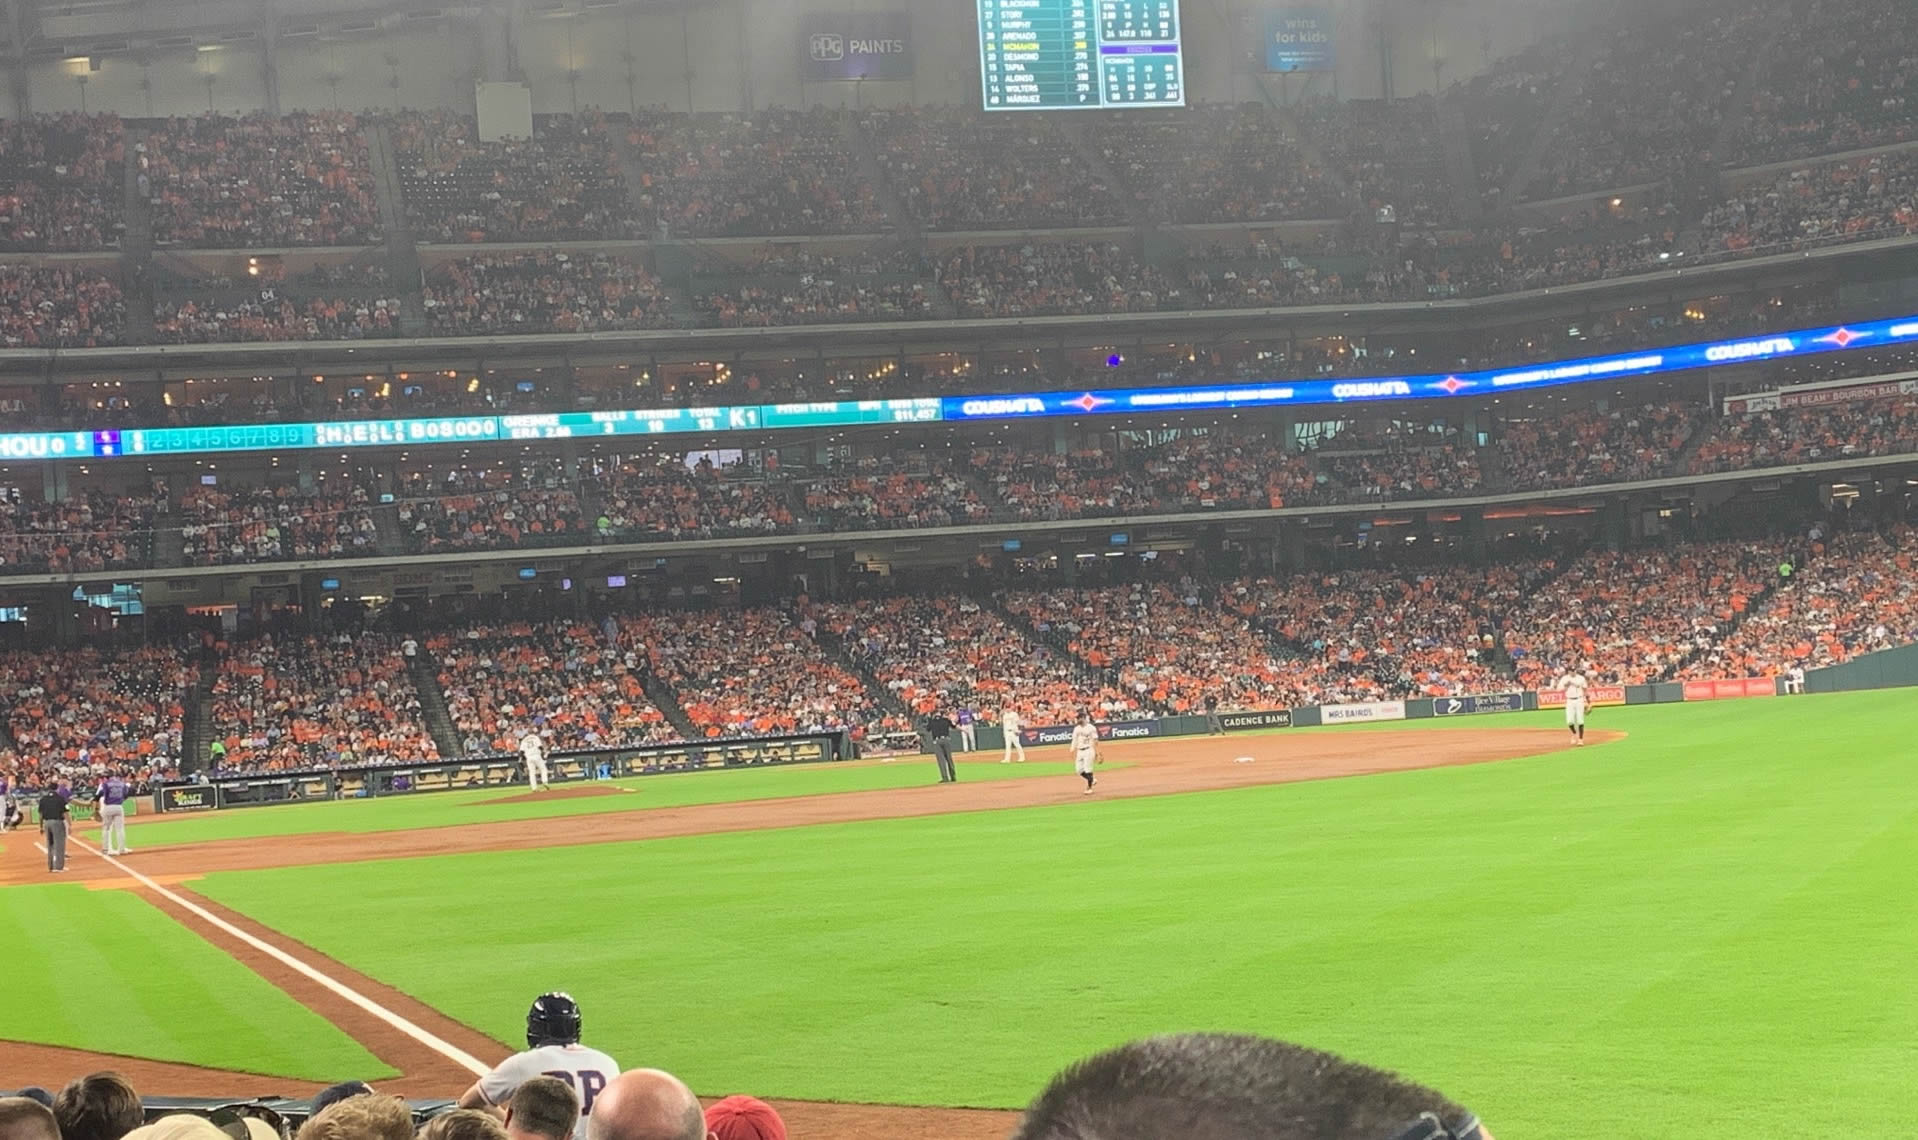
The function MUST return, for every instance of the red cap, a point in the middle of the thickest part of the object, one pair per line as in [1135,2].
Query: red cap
[744,1118]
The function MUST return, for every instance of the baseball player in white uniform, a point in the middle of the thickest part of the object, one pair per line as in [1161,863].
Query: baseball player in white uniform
[552,1050]
[534,750]
[1573,686]
[1010,724]
[1085,749]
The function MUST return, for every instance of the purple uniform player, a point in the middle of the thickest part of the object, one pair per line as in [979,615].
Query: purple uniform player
[112,801]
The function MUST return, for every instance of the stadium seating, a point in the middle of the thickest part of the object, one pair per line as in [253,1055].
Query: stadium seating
[81,713]
[288,703]
[563,184]
[61,182]
[551,292]
[559,677]
[47,307]
[258,181]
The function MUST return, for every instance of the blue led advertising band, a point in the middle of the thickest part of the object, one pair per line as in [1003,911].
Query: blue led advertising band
[356,434]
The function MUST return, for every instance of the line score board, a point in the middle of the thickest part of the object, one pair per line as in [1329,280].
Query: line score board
[1065,55]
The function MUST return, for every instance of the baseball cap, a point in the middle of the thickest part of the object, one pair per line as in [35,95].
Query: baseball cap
[35,1092]
[345,1090]
[744,1118]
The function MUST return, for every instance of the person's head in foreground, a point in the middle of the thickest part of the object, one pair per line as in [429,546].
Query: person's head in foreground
[646,1104]
[179,1126]
[99,1106]
[543,1108]
[24,1119]
[463,1124]
[371,1117]
[1216,1086]
[744,1118]
[345,1090]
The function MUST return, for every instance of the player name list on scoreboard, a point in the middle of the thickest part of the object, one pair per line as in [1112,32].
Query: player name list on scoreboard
[1051,55]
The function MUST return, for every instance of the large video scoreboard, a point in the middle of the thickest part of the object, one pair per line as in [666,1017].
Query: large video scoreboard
[1064,55]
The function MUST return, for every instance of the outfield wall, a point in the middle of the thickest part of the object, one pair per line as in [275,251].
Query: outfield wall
[1885,669]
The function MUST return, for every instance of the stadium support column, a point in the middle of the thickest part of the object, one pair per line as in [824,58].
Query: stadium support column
[1476,546]
[18,80]
[270,56]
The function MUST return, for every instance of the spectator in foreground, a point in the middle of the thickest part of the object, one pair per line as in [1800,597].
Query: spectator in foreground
[744,1118]
[345,1090]
[25,1119]
[1215,1086]
[645,1104]
[179,1126]
[463,1124]
[543,1108]
[360,1118]
[100,1106]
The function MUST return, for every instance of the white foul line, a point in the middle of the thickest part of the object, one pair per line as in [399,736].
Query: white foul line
[444,1048]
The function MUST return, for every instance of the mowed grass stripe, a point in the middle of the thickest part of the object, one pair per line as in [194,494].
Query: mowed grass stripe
[1696,931]
[454,809]
[107,971]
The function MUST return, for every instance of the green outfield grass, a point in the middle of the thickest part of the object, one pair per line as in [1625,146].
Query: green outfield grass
[1695,932]
[105,971]
[451,809]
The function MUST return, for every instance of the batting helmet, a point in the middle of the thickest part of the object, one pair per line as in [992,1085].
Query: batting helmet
[553,1020]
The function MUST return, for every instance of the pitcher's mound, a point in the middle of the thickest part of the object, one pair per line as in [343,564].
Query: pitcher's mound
[563,792]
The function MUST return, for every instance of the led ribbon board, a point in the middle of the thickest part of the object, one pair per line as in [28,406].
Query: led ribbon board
[352,435]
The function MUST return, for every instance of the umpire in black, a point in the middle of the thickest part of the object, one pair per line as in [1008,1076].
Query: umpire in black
[939,732]
[53,822]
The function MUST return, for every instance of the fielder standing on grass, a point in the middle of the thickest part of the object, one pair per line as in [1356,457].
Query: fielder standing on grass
[1085,749]
[1573,686]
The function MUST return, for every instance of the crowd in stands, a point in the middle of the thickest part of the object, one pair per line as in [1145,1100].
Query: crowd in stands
[1818,433]
[84,713]
[1219,163]
[226,526]
[545,292]
[289,702]
[234,183]
[894,490]
[489,510]
[1390,154]
[1838,78]
[754,672]
[91,531]
[945,653]
[1636,616]
[44,306]
[1588,446]
[269,316]
[957,169]
[62,182]
[1857,593]
[653,497]
[1842,201]
[1373,634]
[563,184]
[1219,469]
[561,679]
[811,299]
[774,172]
[1655,98]
[1397,462]
[1052,279]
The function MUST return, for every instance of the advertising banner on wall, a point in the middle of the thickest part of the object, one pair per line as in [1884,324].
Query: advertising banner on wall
[855,45]
[1594,695]
[1247,721]
[1368,710]
[1113,730]
[1726,690]
[1301,39]
[1485,703]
